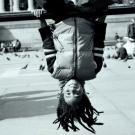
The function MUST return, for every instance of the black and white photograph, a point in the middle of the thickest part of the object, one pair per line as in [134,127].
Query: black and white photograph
[67,67]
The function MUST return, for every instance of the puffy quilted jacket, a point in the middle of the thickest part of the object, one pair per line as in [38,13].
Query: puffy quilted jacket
[70,52]
[73,40]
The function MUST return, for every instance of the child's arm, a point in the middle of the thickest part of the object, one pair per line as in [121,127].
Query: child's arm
[46,36]
[100,31]
[48,45]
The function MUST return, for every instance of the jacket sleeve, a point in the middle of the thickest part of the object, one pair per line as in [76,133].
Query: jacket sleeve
[54,6]
[48,46]
[98,50]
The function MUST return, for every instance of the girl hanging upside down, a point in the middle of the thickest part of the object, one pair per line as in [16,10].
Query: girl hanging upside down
[74,53]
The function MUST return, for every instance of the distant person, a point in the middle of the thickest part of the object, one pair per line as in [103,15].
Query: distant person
[4,48]
[121,52]
[119,43]
[130,47]
[124,49]
[16,45]
[116,36]
[131,30]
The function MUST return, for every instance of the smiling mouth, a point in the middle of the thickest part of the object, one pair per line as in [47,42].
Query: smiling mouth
[69,96]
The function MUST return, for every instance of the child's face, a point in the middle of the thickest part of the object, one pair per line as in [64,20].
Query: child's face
[72,91]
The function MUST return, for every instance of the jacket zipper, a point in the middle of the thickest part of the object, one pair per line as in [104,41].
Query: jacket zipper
[75,49]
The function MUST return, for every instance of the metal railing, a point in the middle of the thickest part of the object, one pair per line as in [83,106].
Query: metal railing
[27,15]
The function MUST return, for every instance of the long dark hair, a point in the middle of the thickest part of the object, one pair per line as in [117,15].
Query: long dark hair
[82,112]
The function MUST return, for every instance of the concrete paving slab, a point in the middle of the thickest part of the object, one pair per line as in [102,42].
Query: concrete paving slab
[28,98]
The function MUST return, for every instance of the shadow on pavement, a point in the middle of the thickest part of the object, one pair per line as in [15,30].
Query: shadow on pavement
[28,104]
[5,34]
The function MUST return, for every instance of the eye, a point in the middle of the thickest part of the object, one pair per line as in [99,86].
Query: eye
[68,93]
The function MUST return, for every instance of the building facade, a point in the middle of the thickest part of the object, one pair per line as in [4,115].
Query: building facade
[20,5]
[27,31]
[128,1]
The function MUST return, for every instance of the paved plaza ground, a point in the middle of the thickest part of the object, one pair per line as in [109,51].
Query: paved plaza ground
[28,97]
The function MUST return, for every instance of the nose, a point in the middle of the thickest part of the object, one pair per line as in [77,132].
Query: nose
[74,91]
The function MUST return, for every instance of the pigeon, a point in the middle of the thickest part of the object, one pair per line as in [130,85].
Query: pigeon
[108,56]
[25,66]
[28,56]
[43,67]
[40,67]
[8,58]
[104,65]
[24,56]
[16,54]
[129,66]
[37,56]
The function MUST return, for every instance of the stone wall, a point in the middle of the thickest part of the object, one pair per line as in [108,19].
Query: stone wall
[27,31]
[117,23]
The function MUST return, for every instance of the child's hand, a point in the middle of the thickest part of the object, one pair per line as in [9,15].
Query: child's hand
[38,12]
